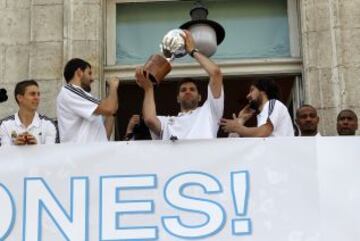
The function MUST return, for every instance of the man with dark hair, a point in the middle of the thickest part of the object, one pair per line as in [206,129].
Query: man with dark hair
[273,118]
[27,126]
[307,120]
[347,123]
[192,122]
[79,113]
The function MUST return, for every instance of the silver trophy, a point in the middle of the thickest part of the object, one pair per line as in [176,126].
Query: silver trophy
[172,46]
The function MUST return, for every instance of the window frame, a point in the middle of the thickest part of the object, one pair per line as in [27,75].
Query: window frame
[241,67]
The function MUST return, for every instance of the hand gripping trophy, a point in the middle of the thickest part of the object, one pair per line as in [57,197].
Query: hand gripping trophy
[172,46]
[207,34]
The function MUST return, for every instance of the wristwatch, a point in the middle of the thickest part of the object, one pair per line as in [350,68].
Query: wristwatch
[192,52]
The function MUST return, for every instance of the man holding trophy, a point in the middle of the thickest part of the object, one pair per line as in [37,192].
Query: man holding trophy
[193,122]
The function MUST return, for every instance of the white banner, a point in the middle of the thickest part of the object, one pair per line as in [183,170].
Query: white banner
[276,189]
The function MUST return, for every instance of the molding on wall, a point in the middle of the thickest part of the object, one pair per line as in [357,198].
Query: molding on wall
[242,67]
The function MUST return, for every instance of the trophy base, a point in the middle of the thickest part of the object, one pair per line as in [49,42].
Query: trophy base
[157,67]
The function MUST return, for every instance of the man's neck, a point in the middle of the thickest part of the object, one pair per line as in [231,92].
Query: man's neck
[26,117]
[309,133]
[263,102]
[75,82]
[183,110]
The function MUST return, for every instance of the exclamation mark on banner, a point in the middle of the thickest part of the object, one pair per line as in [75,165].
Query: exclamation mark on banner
[240,188]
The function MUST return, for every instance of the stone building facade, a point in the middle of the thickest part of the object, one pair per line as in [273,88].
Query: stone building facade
[37,37]
[330,31]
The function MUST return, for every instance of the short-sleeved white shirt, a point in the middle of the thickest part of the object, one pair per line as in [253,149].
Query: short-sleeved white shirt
[77,122]
[42,128]
[279,117]
[201,123]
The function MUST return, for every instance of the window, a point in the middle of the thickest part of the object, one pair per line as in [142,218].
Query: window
[254,29]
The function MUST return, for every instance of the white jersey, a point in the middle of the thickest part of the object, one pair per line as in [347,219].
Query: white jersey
[201,123]
[279,117]
[77,122]
[42,128]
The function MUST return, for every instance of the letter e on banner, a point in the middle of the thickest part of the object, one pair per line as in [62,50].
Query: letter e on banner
[112,207]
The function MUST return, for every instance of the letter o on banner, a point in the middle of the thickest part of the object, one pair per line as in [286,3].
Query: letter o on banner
[7,219]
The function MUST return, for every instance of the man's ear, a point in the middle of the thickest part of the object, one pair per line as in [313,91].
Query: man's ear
[79,73]
[19,97]
[263,93]
[177,99]
[317,120]
[199,97]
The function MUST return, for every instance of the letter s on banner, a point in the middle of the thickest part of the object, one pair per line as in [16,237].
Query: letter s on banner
[8,211]
[174,193]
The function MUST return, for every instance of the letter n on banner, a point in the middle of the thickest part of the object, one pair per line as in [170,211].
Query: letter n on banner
[40,200]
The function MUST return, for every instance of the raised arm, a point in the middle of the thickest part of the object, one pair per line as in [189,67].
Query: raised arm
[134,120]
[109,123]
[109,105]
[213,70]
[149,107]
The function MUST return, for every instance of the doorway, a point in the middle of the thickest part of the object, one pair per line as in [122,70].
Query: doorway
[235,89]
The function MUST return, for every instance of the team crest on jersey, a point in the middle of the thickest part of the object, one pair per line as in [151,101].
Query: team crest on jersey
[13,134]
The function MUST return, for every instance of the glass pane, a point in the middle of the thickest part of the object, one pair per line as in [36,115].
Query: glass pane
[254,29]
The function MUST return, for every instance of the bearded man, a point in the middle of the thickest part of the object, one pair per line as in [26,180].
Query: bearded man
[82,117]
[193,122]
[273,118]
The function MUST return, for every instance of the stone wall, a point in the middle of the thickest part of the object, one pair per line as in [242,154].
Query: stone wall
[37,37]
[331,57]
